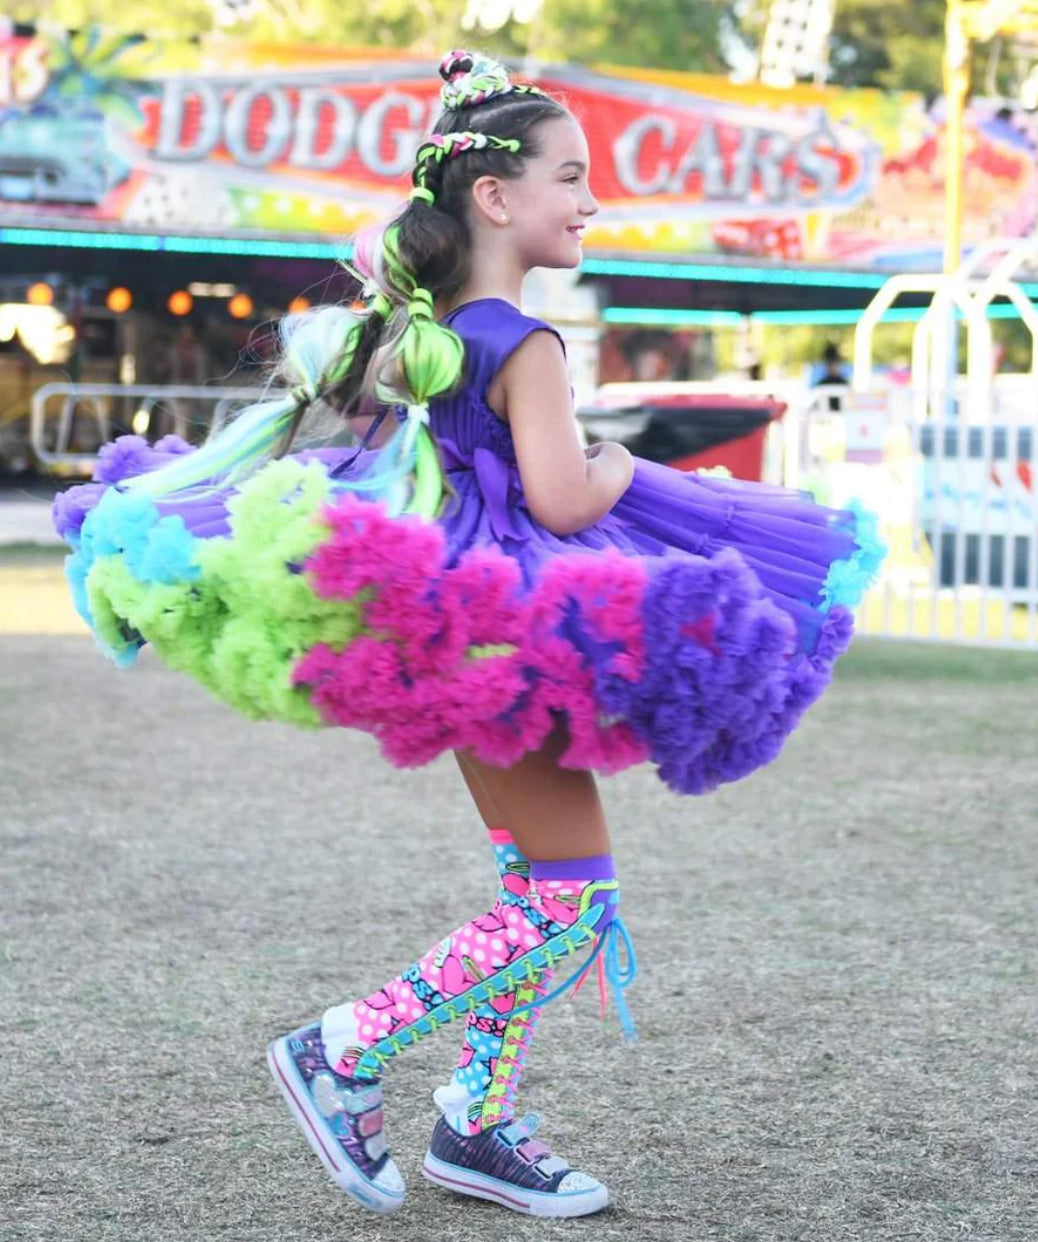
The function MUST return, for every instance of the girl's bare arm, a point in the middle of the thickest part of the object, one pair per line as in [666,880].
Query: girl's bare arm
[565,488]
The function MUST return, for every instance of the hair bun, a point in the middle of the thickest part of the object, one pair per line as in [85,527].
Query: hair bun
[456,64]
[471,79]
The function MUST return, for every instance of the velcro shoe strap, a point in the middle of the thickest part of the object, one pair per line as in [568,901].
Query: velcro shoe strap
[364,1100]
[370,1123]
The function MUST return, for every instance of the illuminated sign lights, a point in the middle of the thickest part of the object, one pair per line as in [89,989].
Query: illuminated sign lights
[738,275]
[661,318]
[174,245]
[337,251]
[329,250]
[647,316]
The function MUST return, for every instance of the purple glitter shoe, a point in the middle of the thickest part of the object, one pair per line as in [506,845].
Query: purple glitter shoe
[506,1165]
[341,1118]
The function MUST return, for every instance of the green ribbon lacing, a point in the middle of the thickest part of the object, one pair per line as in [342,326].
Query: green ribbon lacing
[526,969]
[442,147]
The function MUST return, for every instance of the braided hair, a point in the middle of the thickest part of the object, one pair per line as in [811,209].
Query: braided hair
[393,348]
[488,128]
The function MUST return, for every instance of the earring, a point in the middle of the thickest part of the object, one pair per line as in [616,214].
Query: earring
[504,219]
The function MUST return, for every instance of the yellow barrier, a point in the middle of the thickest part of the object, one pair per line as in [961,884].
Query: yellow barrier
[35,599]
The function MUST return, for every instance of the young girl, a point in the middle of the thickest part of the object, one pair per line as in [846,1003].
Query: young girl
[480,583]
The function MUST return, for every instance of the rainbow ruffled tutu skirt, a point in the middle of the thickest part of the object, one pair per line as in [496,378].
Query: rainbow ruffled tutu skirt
[691,628]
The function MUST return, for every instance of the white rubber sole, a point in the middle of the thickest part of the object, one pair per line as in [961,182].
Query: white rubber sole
[517,1198]
[326,1147]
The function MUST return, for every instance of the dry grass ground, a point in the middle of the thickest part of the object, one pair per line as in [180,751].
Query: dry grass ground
[836,1003]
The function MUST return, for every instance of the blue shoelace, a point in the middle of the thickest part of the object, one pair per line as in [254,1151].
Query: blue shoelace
[621,968]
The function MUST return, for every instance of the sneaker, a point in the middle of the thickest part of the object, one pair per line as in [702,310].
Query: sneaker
[506,1165]
[341,1118]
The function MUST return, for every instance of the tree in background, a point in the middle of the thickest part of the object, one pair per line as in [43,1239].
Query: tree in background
[892,44]
[889,43]
[186,19]
[689,35]
[668,34]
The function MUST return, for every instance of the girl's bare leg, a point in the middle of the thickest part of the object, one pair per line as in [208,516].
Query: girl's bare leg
[552,813]
[489,813]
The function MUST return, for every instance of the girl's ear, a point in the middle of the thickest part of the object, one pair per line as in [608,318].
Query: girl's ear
[489,199]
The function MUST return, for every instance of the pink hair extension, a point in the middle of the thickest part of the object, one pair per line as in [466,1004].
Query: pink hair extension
[367,252]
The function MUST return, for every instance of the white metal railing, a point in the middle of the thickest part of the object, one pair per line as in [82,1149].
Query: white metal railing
[58,408]
[956,499]
[958,461]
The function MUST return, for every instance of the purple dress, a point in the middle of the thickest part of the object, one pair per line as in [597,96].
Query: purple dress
[691,626]
[789,541]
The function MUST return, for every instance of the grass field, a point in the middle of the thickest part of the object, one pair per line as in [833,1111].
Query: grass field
[836,1001]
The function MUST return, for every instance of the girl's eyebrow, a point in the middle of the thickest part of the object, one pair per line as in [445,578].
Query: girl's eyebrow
[574,163]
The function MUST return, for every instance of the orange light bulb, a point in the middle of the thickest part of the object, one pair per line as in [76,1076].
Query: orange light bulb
[180,302]
[119,299]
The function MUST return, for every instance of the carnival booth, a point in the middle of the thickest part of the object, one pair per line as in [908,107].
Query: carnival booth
[191,194]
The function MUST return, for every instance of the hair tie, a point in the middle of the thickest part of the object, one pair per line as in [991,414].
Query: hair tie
[424,193]
[456,64]
[302,397]
[421,304]
[381,305]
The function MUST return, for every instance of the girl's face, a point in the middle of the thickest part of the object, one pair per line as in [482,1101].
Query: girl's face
[549,205]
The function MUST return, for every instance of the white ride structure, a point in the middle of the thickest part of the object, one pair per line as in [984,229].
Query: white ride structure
[948,459]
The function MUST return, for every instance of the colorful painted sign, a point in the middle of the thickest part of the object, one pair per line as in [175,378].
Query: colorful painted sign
[238,139]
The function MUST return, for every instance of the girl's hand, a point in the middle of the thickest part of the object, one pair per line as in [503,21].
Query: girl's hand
[613,463]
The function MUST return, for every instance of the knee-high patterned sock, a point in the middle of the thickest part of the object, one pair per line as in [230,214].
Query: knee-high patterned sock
[482,1089]
[567,905]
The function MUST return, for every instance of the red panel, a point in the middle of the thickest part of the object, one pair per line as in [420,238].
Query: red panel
[743,457]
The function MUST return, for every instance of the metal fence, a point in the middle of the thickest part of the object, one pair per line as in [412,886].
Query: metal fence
[955,496]
[69,422]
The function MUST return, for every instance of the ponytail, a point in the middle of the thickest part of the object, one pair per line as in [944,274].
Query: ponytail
[418,359]
[319,348]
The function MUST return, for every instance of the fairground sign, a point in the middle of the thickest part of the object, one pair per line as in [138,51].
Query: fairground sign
[244,140]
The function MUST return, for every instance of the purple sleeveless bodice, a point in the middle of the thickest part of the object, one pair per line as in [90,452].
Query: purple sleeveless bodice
[479,456]
[786,538]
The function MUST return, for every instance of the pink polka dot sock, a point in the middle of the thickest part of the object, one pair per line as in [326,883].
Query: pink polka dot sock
[503,948]
[482,1089]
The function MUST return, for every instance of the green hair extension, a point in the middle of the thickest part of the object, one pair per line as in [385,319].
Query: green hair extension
[428,478]
[430,356]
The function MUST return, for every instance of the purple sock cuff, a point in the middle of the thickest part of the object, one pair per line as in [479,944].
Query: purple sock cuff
[597,867]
